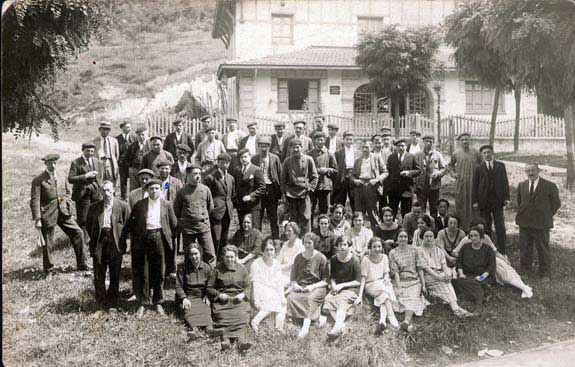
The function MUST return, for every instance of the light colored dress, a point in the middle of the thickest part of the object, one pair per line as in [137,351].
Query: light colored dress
[464,162]
[268,290]
[416,241]
[441,289]
[286,256]
[406,262]
[339,228]
[359,240]
[376,285]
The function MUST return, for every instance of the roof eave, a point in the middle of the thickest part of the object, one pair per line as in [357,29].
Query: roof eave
[224,67]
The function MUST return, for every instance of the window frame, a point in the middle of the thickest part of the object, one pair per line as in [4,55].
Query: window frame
[276,36]
[475,91]
[283,95]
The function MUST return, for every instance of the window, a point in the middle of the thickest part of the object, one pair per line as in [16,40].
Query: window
[367,25]
[298,95]
[282,29]
[365,100]
[479,99]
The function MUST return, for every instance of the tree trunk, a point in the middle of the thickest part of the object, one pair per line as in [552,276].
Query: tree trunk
[494,116]
[517,94]
[396,118]
[569,116]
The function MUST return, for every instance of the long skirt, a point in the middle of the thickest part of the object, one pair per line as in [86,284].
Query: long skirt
[342,301]
[380,292]
[411,298]
[470,288]
[232,318]
[306,305]
[440,289]
[199,314]
[269,297]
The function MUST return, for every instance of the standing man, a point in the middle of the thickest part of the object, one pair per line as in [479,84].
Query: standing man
[201,135]
[179,168]
[231,141]
[144,176]
[250,142]
[537,202]
[319,122]
[51,207]
[327,171]
[210,148]
[250,188]
[384,153]
[125,139]
[106,221]
[108,152]
[442,214]
[403,168]
[177,137]
[462,167]
[413,146]
[387,146]
[333,142]
[156,154]
[193,206]
[428,183]
[345,159]
[307,144]
[299,179]
[135,154]
[85,177]
[272,171]
[223,188]
[278,138]
[152,224]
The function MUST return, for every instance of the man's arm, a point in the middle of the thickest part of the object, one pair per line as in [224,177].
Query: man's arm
[332,166]
[259,185]
[505,182]
[35,193]
[555,200]
[74,176]
[313,175]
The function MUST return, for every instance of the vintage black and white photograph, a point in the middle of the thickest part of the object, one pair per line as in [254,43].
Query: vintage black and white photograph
[310,183]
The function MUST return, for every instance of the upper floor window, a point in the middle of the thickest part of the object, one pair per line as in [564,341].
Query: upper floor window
[367,25]
[298,95]
[479,99]
[282,29]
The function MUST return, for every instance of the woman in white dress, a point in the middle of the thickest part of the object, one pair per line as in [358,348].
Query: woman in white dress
[290,249]
[359,235]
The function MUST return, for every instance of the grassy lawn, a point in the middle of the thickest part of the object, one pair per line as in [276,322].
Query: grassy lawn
[55,322]
[559,161]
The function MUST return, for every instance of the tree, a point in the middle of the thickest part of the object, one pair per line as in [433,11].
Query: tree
[398,61]
[38,37]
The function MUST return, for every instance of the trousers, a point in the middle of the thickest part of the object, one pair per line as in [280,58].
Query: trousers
[69,226]
[148,267]
[110,260]
[204,239]
[538,238]
[299,210]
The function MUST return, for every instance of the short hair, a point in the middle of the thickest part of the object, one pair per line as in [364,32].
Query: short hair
[426,219]
[231,248]
[242,152]
[454,217]
[342,239]
[356,215]
[108,182]
[373,240]
[416,204]
[400,230]
[312,237]
[535,165]
[194,245]
[339,206]
[442,200]
[294,227]
[265,243]
[246,216]
[479,230]
[386,209]
[323,216]
[427,230]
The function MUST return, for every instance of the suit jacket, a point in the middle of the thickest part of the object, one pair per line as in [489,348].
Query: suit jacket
[120,216]
[171,142]
[243,141]
[480,192]
[277,148]
[397,183]
[150,159]
[175,172]
[377,165]
[429,164]
[114,151]
[338,143]
[124,145]
[135,196]
[324,159]
[307,145]
[135,154]
[537,210]
[274,171]
[439,225]
[340,160]
[82,185]
[46,202]
[175,185]
[137,221]
[250,183]
[223,190]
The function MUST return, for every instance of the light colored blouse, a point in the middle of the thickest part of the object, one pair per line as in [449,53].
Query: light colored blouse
[374,271]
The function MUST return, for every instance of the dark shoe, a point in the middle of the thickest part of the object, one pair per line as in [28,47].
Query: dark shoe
[226,345]
[160,310]
[380,329]
[140,312]
[83,267]
[193,334]
[244,347]
[404,327]
[214,332]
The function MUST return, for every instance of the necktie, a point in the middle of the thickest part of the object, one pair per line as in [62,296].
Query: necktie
[244,169]
[531,187]
[489,166]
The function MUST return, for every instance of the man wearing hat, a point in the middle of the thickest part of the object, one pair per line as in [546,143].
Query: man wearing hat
[319,122]
[125,139]
[177,137]
[108,152]
[144,176]
[193,205]
[85,175]
[462,167]
[179,168]
[271,168]
[210,148]
[155,155]
[135,154]
[278,138]
[299,179]
[250,142]
[327,171]
[413,146]
[50,206]
[402,167]
[232,138]
[151,225]
[345,159]
[201,136]
[250,188]
[222,185]
[428,183]
[333,142]
[307,144]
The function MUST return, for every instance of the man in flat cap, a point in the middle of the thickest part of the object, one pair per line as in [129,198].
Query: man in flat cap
[428,183]
[193,205]
[299,129]
[402,167]
[462,167]
[222,185]
[179,168]
[319,125]
[108,152]
[299,179]
[177,137]
[50,205]
[333,142]
[135,154]
[278,138]
[345,159]
[125,139]
[231,140]
[144,176]
[388,145]
[327,171]
[156,154]
[250,188]
[413,145]
[201,136]
[271,168]
[250,142]
[210,148]
[85,175]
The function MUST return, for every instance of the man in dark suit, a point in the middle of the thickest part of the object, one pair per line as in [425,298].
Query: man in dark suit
[403,168]
[490,194]
[250,188]
[135,153]
[333,142]
[179,168]
[537,203]
[85,175]
[345,159]
[51,207]
[327,170]
[152,223]
[223,188]
[278,139]
[299,129]
[179,136]
[442,214]
[106,221]
[125,139]
[433,168]
[250,142]
[272,171]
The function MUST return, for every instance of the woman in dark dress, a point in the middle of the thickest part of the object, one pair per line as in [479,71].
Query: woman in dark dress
[386,229]
[248,240]
[449,238]
[228,286]
[326,243]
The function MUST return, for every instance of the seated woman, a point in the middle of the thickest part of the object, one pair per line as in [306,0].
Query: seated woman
[475,266]
[191,290]
[376,283]
[338,224]
[423,224]
[290,249]
[308,286]
[358,235]
[326,236]
[386,229]
[228,286]
[267,288]
[504,272]
[248,240]
[449,238]
[437,274]
[406,264]
[344,282]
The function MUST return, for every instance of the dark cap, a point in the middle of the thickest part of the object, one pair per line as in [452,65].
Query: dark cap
[332,127]
[178,121]
[123,123]
[486,146]
[347,133]
[253,123]
[428,137]
[192,167]
[184,147]
[265,140]
[156,137]
[152,182]
[88,146]
[415,132]
[209,128]
[462,135]
[163,162]
[280,123]
[205,117]
[231,119]
[318,117]
[385,131]
[295,141]
[105,125]
[51,157]
[242,152]
[141,129]
[319,134]
[399,141]
[146,171]
[224,157]
[299,122]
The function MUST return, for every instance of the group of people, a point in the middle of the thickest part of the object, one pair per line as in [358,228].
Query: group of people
[316,265]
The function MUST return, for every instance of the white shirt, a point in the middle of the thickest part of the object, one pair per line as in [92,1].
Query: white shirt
[332,144]
[233,138]
[535,183]
[265,169]
[90,163]
[107,222]
[153,221]
[414,148]
[489,164]
[251,145]
[178,137]
[349,157]
[365,171]
[182,166]
[105,147]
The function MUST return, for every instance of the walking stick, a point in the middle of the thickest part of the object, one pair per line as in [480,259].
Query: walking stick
[42,242]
